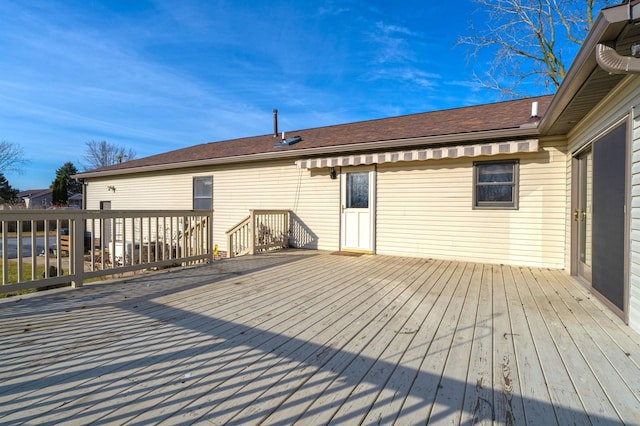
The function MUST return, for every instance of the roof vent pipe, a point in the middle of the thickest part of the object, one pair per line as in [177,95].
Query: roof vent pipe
[534,109]
[614,63]
[275,123]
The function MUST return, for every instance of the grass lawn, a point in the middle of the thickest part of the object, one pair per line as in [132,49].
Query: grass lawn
[26,276]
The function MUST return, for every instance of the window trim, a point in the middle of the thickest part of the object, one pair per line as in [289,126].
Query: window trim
[193,192]
[497,205]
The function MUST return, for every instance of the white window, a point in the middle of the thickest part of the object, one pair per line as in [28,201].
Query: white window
[203,193]
[495,184]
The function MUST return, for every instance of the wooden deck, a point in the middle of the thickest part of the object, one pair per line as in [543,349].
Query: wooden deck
[316,338]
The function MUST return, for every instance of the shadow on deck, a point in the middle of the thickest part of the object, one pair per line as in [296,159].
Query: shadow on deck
[311,337]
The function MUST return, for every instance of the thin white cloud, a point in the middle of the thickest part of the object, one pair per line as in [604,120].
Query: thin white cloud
[407,75]
[389,29]
[391,45]
[330,8]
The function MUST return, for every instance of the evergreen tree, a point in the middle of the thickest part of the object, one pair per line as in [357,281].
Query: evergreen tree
[64,173]
[60,194]
[7,193]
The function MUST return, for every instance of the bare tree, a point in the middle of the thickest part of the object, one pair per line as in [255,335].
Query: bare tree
[103,153]
[11,157]
[531,40]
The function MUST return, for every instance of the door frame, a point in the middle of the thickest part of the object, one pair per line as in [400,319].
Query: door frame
[372,207]
[577,267]
[574,257]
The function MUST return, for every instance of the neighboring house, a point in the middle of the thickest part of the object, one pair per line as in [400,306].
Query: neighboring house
[552,181]
[75,201]
[36,198]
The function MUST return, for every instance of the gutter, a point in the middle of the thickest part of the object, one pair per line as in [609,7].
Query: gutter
[523,132]
[608,26]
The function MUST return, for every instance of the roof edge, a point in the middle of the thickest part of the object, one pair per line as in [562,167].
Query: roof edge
[608,25]
[298,153]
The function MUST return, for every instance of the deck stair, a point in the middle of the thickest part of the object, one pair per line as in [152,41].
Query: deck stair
[262,230]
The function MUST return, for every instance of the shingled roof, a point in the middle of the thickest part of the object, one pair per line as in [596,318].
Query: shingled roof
[453,125]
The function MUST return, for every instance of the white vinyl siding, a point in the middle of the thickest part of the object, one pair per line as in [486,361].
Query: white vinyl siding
[313,197]
[425,209]
[634,281]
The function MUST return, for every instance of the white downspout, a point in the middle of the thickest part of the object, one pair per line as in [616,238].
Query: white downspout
[614,63]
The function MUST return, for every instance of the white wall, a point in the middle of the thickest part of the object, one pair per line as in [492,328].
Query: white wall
[423,208]
[312,197]
[426,209]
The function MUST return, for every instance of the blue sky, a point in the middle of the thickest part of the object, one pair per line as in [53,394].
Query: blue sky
[158,75]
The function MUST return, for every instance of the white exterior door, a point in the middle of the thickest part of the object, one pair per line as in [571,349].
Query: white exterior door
[358,209]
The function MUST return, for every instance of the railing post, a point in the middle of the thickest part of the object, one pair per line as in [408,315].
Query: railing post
[252,233]
[287,228]
[230,245]
[209,235]
[76,257]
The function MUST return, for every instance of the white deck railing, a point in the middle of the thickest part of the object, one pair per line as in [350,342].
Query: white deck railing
[261,230]
[48,247]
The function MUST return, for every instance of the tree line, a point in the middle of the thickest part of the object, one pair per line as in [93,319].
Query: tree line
[97,154]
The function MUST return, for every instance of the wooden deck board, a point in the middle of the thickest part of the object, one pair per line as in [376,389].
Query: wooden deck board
[201,393]
[567,405]
[331,336]
[392,397]
[144,342]
[316,338]
[507,396]
[217,408]
[363,396]
[538,407]
[343,349]
[477,407]
[253,312]
[447,407]
[384,328]
[419,401]
[580,353]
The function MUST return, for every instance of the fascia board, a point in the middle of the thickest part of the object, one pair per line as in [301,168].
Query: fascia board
[608,26]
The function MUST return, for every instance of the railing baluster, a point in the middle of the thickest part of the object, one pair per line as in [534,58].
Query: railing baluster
[262,230]
[46,247]
[92,244]
[19,249]
[34,251]
[5,255]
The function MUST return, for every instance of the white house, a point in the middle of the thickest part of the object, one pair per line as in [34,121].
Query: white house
[551,181]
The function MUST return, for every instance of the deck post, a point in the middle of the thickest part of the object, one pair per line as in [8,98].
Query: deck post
[209,236]
[287,228]
[252,233]
[76,257]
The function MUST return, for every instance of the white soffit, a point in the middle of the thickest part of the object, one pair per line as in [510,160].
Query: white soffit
[477,150]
